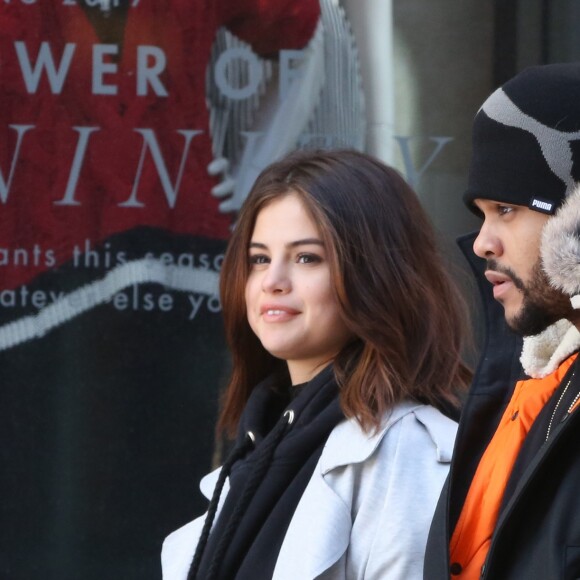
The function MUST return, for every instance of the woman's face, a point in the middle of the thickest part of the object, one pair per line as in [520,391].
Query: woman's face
[289,297]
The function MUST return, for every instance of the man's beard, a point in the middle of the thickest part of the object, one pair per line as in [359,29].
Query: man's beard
[541,306]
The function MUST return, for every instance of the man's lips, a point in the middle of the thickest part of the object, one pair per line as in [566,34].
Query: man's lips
[502,283]
[277,312]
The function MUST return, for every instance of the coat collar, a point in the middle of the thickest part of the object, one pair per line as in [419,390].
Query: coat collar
[349,444]
[542,354]
[323,540]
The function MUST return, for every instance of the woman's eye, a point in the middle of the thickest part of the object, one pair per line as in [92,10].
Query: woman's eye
[308,259]
[258,259]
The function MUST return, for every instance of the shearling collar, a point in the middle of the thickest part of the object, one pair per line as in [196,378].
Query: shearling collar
[560,251]
[543,353]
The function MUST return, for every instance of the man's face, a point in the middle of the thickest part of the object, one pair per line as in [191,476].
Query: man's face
[509,240]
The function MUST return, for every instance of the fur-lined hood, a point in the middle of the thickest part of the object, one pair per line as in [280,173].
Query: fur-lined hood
[561,247]
[560,251]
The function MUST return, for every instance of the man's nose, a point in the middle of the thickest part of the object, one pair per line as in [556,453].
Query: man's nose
[487,244]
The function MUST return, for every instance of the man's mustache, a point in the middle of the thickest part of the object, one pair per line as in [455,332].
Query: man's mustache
[496,267]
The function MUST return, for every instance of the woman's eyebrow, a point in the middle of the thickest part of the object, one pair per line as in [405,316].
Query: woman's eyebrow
[304,242]
[258,245]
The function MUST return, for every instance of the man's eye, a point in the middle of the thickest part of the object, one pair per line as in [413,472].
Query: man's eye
[308,259]
[504,209]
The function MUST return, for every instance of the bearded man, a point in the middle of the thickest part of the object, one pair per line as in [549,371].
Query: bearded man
[510,508]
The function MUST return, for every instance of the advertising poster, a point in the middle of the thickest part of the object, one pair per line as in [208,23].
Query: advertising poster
[130,132]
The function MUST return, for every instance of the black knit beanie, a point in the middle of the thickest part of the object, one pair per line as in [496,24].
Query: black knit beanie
[526,140]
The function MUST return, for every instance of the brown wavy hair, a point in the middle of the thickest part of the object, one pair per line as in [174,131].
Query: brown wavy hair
[391,285]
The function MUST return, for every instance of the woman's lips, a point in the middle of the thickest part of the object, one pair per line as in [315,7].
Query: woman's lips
[277,312]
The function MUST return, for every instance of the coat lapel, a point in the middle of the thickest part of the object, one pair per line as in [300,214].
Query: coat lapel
[319,533]
[179,547]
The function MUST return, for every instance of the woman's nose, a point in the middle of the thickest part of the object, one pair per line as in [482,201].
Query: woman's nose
[276,279]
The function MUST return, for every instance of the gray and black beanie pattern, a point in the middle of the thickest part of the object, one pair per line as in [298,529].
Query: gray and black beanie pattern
[526,140]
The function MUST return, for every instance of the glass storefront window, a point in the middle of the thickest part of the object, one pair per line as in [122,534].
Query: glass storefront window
[131,132]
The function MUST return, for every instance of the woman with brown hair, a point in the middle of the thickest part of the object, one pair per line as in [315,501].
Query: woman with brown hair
[345,333]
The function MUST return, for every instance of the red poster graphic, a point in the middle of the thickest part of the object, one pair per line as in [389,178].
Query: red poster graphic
[111,351]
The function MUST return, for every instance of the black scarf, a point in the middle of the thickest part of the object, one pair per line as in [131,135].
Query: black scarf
[268,482]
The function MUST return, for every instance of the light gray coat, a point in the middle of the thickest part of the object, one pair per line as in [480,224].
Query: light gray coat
[367,509]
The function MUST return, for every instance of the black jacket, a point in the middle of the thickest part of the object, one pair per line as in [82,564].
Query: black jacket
[537,535]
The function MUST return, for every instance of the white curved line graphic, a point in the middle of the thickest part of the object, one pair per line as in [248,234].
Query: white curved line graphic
[143,271]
